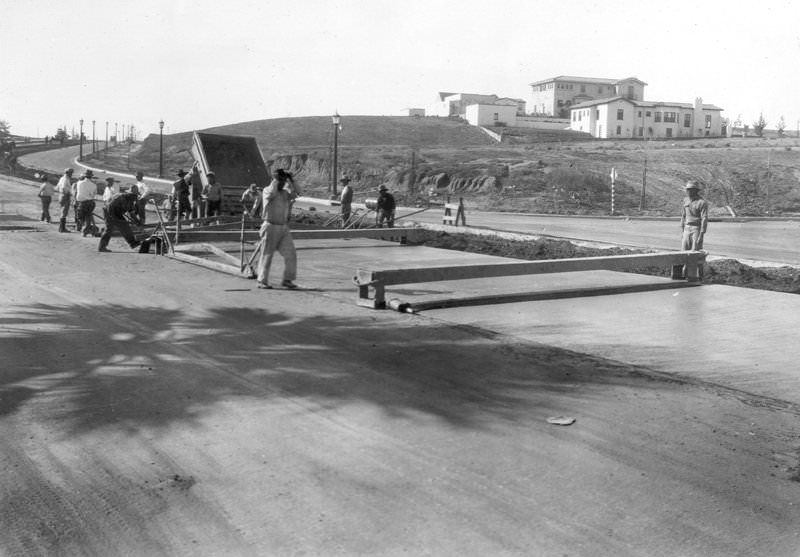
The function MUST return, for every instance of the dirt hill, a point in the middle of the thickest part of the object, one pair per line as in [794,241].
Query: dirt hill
[547,172]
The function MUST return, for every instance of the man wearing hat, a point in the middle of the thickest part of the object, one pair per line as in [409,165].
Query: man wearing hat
[144,195]
[251,201]
[212,195]
[111,189]
[181,204]
[64,190]
[694,217]
[346,199]
[277,201]
[85,192]
[385,207]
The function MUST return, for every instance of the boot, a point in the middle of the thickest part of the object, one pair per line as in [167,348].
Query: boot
[62,226]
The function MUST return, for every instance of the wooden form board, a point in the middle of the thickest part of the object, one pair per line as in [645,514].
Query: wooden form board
[205,236]
[377,280]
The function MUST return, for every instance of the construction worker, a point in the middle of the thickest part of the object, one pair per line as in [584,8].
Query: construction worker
[181,203]
[277,201]
[346,199]
[144,195]
[694,218]
[385,207]
[64,190]
[46,191]
[212,196]
[85,192]
[122,208]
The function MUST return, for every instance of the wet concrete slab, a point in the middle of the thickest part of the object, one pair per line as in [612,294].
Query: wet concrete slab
[742,339]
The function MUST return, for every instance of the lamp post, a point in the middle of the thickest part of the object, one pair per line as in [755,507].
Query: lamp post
[106,136]
[116,134]
[80,155]
[336,119]
[160,148]
[94,144]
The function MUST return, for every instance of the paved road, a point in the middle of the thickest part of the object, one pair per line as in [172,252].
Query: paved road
[154,408]
[769,241]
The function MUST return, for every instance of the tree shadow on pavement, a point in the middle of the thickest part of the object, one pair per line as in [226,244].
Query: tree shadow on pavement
[128,368]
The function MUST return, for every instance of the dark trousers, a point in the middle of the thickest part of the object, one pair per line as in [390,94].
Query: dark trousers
[213,208]
[85,215]
[46,199]
[124,229]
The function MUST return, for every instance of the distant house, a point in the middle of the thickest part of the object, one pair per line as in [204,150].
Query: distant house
[415,112]
[557,95]
[491,114]
[622,117]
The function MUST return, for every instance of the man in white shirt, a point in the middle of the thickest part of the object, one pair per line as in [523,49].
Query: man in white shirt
[64,190]
[144,195]
[85,192]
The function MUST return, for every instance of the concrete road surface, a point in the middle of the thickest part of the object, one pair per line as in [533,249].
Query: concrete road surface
[150,407]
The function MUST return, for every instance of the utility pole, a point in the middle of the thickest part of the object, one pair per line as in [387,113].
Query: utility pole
[769,177]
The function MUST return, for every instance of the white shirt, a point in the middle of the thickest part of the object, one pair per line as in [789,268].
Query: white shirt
[85,190]
[110,192]
[143,188]
[64,186]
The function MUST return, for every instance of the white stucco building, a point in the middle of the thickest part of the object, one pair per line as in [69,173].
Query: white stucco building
[621,117]
[557,95]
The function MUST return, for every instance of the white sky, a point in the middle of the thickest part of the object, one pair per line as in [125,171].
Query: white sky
[198,63]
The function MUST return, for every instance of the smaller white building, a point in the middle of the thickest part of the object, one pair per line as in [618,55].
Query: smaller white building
[415,112]
[491,114]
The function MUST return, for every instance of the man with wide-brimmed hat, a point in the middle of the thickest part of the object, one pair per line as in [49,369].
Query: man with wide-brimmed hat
[64,190]
[85,192]
[181,203]
[346,199]
[694,217]
[385,207]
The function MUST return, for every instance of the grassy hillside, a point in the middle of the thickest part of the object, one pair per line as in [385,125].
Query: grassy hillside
[548,172]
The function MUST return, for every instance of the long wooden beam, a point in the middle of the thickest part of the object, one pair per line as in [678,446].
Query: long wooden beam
[206,236]
[377,280]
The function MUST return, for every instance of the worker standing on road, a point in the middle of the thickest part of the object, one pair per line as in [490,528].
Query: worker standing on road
[346,200]
[251,201]
[85,192]
[181,204]
[122,207]
[144,195]
[277,201]
[64,190]
[385,207]
[694,218]
[111,190]
[212,195]
[46,191]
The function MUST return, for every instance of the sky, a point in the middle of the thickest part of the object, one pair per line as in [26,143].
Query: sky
[196,64]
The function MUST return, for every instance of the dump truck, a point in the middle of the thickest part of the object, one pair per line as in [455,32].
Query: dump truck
[235,160]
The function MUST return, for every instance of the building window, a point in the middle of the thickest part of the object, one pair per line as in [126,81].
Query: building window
[641,131]
[708,120]
[647,114]
[687,120]
[658,116]
[670,117]
[619,130]
[630,91]
[583,88]
[639,114]
[669,132]
[600,89]
[620,114]
[496,116]
[597,113]
[560,102]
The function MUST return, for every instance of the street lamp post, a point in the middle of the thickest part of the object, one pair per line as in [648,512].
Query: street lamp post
[106,136]
[160,148]
[116,134]
[336,119]
[80,155]
[94,144]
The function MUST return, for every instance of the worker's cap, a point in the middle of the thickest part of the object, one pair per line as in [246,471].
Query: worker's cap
[87,174]
[139,174]
[181,173]
[210,173]
[281,173]
[692,185]
[111,180]
[345,179]
[252,186]
[69,170]
[382,188]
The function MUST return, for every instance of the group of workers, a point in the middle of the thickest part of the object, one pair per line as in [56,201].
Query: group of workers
[274,205]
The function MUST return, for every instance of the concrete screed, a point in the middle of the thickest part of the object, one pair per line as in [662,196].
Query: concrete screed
[153,408]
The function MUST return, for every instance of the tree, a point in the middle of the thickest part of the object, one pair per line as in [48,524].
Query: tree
[5,129]
[781,126]
[759,125]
